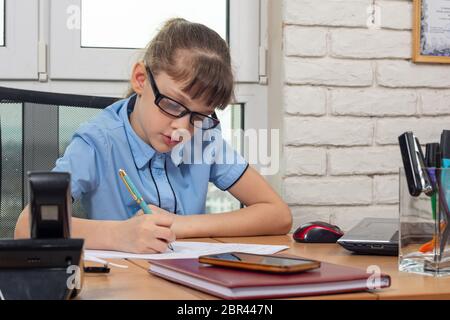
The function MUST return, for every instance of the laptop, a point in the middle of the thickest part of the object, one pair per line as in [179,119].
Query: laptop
[374,236]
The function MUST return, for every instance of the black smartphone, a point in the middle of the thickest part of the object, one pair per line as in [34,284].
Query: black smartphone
[258,262]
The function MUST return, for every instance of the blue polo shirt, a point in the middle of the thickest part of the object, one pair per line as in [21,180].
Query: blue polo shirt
[176,181]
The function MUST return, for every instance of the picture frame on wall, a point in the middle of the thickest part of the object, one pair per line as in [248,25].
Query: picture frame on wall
[431,31]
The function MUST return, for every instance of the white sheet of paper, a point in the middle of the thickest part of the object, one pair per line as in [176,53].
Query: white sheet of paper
[187,250]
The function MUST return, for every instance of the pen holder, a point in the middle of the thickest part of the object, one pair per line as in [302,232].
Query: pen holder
[424,227]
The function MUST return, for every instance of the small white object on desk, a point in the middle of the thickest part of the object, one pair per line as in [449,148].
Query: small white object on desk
[189,250]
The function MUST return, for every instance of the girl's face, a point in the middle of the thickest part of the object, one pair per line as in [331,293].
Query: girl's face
[162,131]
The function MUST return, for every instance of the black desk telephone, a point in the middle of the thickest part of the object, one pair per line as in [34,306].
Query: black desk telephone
[50,264]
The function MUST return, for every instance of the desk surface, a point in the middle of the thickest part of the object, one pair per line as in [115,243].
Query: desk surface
[403,286]
[136,283]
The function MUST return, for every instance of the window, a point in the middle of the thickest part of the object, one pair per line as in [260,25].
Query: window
[76,52]
[32,136]
[2,23]
[19,39]
[232,118]
[11,167]
[132,23]
[99,43]
[70,119]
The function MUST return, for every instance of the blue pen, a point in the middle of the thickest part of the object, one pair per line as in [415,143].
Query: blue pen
[445,186]
[445,153]
[135,194]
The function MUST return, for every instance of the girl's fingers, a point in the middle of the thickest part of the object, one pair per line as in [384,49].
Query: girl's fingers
[164,234]
[139,213]
[158,246]
[163,220]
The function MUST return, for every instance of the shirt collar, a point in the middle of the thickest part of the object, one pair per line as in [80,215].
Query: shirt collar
[141,151]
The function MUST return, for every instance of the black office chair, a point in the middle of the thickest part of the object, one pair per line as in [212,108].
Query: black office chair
[35,129]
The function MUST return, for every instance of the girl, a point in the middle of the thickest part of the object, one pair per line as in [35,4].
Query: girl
[184,76]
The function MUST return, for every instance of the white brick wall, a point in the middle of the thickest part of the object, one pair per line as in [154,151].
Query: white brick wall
[305,161]
[405,74]
[344,216]
[328,131]
[328,191]
[350,13]
[314,41]
[307,101]
[386,189]
[366,44]
[427,129]
[331,72]
[396,14]
[373,102]
[435,102]
[349,92]
[364,161]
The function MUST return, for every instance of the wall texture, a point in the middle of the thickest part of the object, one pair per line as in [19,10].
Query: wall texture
[349,91]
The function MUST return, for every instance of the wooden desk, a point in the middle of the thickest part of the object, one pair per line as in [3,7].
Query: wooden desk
[136,283]
[403,286]
[132,284]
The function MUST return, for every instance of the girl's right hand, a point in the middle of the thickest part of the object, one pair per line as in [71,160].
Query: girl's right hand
[149,233]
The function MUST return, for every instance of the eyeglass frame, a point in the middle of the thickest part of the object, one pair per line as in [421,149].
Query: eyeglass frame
[159,96]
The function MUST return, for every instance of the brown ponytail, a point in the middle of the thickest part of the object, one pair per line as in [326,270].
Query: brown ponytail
[196,56]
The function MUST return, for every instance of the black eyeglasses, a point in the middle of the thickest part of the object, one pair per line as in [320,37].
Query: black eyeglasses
[178,110]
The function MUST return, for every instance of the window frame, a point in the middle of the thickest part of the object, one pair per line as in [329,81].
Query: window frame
[96,63]
[2,23]
[21,40]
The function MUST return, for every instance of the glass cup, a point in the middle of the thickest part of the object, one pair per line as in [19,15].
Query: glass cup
[423,240]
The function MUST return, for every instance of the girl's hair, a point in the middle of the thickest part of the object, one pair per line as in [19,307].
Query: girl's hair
[196,56]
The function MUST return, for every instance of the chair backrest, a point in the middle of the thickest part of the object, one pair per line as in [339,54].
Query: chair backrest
[35,129]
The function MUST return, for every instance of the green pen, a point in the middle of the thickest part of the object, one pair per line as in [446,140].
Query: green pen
[136,195]
[433,205]
[432,161]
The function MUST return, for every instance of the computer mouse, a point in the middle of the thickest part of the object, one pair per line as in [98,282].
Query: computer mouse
[317,232]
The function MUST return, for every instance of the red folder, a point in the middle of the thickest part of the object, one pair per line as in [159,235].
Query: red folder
[230,283]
